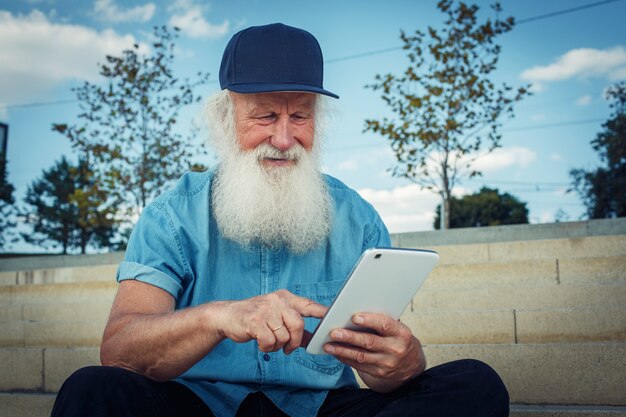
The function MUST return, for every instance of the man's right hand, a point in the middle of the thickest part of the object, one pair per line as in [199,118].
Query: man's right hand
[274,320]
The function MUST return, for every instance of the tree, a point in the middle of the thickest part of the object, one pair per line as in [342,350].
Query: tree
[69,209]
[603,190]
[445,99]
[488,207]
[7,208]
[128,125]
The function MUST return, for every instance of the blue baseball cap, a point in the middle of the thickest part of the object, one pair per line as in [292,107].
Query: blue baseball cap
[272,58]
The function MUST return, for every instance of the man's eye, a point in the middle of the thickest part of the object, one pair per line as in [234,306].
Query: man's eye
[267,117]
[299,117]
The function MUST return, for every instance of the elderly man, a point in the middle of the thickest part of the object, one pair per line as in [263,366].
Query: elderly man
[226,275]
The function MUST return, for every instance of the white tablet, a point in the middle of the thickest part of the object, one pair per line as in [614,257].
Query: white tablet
[384,280]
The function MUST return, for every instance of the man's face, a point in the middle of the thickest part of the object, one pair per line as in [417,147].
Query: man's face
[281,120]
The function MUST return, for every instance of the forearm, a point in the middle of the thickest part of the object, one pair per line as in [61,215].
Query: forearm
[164,345]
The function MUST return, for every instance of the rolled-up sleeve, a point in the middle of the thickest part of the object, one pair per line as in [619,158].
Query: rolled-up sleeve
[154,254]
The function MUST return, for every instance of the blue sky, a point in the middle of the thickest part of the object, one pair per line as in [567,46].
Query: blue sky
[48,46]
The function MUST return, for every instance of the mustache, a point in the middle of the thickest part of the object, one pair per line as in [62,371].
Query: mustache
[265,151]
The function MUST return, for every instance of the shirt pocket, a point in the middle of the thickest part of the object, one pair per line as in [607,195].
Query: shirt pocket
[324,293]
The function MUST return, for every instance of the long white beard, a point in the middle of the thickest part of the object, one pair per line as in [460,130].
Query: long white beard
[277,206]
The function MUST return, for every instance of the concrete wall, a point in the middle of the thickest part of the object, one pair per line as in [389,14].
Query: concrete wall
[492,234]
[462,236]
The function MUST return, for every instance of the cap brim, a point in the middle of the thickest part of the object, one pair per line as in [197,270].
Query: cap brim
[275,88]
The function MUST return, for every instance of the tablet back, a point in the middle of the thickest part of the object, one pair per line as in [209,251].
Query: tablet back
[384,280]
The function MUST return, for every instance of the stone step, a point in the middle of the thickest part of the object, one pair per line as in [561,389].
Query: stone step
[59,275]
[42,369]
[531,250]
[558,373]
[95,292]
[524,410]
[61,311]
[26,404]
[66,285]
[51,333]
[603,323]
[484,253]
[40,405]
[605,270]
[521,298]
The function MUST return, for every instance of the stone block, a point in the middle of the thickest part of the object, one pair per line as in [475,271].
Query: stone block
[26,404]
[493,274]
[22,369]
[12,333]
[60,363]
[63,333]
[575,324]
[460,254]
[585,247]
[10,312]
[8,278]
[522,298]
[555,373]
[6,294]
[66,311]
[526,410]
[96,292]
[93,273]
[604,270]
[461,327]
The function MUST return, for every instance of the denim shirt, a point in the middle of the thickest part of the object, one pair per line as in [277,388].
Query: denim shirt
[176,246]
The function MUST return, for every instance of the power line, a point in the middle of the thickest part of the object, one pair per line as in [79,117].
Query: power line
[514,129]
[547,125]
[41,104]
[525,183]
[518,22]
[364,54]
[565,11]
[354,56]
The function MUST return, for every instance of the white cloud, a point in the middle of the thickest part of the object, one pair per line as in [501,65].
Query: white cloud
[38,55]
[189,18]
[504,158]
[582,62]
[366,159]
[404,209]
[349,165]
[584,100]
[108,11]
[556,157]
[544,217]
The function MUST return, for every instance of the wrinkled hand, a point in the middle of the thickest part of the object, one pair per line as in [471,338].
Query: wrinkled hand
[274,320]
[392,355]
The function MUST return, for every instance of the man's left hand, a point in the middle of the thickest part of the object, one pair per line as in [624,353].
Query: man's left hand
[384,360]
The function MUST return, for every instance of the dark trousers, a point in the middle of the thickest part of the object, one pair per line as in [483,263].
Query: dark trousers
[456,389]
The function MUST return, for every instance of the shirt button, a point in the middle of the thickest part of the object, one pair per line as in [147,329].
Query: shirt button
[266,357]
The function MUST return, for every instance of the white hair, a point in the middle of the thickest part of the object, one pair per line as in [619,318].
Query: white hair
[281,206]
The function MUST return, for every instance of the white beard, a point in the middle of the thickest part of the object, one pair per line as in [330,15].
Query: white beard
[275,206]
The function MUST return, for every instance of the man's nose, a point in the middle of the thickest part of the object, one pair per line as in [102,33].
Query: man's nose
[283,138]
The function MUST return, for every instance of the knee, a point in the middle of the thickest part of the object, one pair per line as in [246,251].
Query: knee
[486,386]
[91,379]
[92,388]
